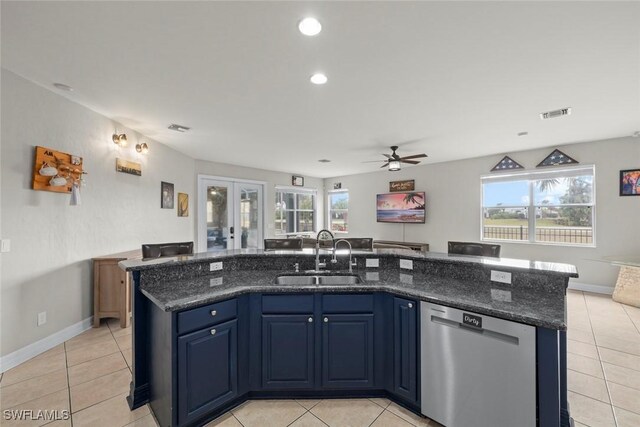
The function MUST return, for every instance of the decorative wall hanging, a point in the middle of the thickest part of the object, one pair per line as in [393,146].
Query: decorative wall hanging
[183,204]
[556,158]
[507,163]
[126,166]
[406,185]
[337,185]
[166,195]
[298,181]
[56,171]
[630,182]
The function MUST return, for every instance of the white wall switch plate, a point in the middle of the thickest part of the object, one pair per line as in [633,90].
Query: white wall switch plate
[215,266]
[5,245]
[500,276]
[500,295]
[406,264]
[373,263]
[406,278]
[372,276]
[42,318]
[216,281]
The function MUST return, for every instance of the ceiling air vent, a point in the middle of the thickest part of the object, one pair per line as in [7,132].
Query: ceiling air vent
[555,113]
[179,128]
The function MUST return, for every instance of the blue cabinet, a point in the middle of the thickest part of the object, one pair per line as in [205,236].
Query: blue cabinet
[348,350]
[288,343]
[405,349]
[207,370]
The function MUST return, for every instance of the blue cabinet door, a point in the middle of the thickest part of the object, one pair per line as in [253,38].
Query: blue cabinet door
[405,352]
[347,351]
[287,351]
[207,370]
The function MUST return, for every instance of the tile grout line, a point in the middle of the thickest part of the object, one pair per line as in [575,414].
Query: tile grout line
[606,383]
[316,417]
[604,378]
[303,414]
[66,364]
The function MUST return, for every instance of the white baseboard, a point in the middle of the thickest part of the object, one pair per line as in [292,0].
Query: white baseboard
[30,351]
[588,287]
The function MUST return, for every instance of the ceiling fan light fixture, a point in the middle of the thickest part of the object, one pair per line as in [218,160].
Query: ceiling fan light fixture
[394,165]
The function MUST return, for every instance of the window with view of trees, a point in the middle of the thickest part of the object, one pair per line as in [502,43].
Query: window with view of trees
[555,206]
[339,211]
[295,211]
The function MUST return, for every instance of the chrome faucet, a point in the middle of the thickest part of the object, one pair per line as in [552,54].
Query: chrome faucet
[335,251]
[319,264]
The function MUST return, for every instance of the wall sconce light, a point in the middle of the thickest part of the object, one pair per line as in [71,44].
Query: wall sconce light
[119,139]
[142,148]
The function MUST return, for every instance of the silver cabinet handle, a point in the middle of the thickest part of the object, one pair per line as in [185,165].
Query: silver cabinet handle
[214,312]
[213,332]
[326,319]
[410,305]
[310,320]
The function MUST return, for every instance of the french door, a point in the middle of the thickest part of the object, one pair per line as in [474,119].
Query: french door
[230,214]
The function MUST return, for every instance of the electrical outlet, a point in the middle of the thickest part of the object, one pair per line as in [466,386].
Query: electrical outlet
[373,276]
[5,245]
[215,266]
[42,318]
[216,281]
[373,263]
[406,278]
[501,276]
[406,264]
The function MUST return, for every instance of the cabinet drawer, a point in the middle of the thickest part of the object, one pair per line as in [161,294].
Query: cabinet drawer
[208,315]
[347,303]
[287,304]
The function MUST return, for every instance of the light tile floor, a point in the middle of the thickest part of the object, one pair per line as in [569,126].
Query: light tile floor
[89,376]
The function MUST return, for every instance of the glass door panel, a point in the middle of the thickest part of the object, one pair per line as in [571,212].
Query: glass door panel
[250,216]
[219,209]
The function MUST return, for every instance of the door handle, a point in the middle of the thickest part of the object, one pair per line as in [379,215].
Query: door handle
[310,320]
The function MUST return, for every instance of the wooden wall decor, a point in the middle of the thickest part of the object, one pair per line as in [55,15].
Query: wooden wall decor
[507,163]
[55,171]
[406,185]
[556,158]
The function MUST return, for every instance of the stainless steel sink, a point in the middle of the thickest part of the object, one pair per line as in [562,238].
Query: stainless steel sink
[318,280]
[296,280]
[339,280]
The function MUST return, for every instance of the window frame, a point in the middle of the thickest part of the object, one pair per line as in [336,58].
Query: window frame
[329,210]
[532,177]
[296,191]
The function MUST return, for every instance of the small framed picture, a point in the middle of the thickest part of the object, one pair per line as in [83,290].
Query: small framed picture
[298,181]
[166,195]
[630,182]
[183,204]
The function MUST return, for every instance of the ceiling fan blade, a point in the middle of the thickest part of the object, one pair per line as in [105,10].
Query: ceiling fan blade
[411,162]
[415,156]
[385,165]
[387,156]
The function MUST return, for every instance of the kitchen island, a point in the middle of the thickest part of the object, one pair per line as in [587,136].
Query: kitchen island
[205,341]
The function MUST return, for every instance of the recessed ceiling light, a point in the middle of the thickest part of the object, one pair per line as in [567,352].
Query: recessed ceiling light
[318,79]
[324,161]
[523,133]
[63,86]
[310,27]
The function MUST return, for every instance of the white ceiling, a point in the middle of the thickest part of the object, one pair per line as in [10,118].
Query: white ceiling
[458,79]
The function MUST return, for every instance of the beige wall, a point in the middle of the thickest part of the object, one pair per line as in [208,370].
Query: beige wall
[453,206]
[49,267]
[271,178]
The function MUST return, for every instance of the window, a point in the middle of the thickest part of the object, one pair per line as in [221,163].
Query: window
[555,206]
[295,210]
[339,211]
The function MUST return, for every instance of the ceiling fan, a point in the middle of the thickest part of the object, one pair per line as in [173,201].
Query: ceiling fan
[393,161]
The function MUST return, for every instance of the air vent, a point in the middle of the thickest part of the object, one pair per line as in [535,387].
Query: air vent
[555,113]
[179,128]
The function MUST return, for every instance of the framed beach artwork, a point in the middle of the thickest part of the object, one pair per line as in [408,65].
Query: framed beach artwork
[408,207]
[630,182]
[183,204]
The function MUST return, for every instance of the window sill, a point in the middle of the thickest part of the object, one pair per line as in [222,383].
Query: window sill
[526,242]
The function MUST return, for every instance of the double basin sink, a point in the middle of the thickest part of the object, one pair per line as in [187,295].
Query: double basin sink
[343,279]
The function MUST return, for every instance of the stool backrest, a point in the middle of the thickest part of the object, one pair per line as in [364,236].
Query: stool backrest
[160,250]
[472,248]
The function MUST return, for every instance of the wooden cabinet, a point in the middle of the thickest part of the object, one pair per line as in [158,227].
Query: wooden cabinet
[207,370]
[405,352]
[112,288]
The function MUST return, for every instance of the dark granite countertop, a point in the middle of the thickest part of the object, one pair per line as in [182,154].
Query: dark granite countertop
[524,305]
[507,263]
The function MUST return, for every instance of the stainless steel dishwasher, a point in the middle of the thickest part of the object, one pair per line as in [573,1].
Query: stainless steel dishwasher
[477,371]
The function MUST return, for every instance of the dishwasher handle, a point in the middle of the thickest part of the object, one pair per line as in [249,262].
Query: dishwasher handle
[481,331]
